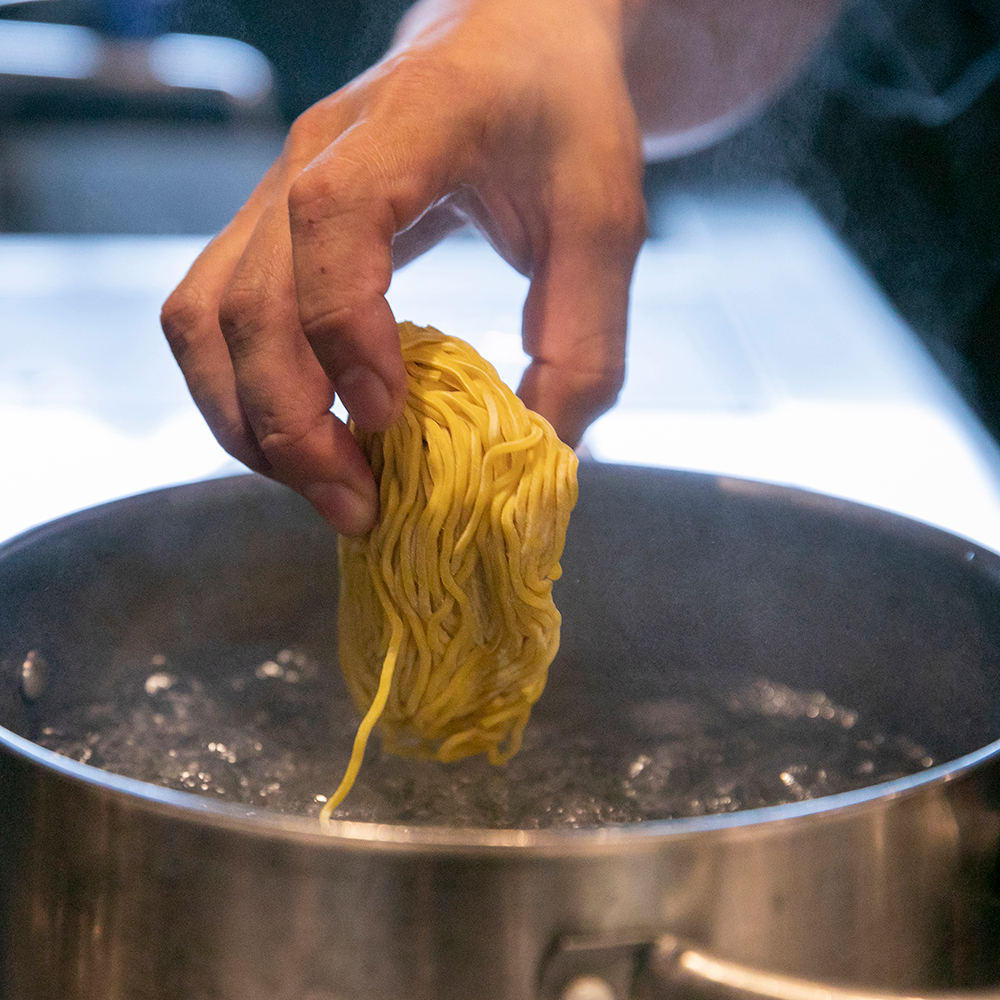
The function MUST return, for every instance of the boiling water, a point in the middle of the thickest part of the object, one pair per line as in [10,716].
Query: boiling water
[273,737]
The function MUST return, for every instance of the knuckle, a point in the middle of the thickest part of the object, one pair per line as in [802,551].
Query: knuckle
[309,133]
[611,382]
[599,387]
[181,317]
[327,324]
[356,179]
[239,315]
[343,318]
[352,185]
[594,369]
[301,133]
[418,77]
[316,187]
[282,439]
[606,392]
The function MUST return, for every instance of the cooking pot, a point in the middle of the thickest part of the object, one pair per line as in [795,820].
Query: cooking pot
[116,889]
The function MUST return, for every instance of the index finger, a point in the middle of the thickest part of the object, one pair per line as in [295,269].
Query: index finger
[344,211]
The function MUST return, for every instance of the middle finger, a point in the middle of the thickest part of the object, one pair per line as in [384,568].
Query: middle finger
[282,388]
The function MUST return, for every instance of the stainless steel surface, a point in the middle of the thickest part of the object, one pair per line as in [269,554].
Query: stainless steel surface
[606,968]
[112,890]
[673,965]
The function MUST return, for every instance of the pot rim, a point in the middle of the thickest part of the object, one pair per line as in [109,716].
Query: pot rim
[133,795]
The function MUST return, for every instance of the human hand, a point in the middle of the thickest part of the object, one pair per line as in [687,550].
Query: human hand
[514,115]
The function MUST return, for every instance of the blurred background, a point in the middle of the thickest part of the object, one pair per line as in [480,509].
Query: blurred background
[818,304]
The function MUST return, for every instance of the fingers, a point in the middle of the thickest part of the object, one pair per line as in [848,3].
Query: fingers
[232,325]
[190,323]
[266,334]
[344,212]
[342,257]
[287,308]
[283,390]
[575,316]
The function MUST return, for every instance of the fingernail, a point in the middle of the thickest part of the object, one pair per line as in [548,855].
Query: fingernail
[346,509]
[366,398]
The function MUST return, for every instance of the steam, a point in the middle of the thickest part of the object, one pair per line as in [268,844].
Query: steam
[883,74]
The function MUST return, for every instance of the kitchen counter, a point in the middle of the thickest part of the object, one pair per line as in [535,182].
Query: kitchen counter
[759,349]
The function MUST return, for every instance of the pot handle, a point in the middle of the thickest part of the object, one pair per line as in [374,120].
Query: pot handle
[673,968]
[668,968]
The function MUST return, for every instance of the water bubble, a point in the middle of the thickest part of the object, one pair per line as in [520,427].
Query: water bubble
[34,675]
[155,683]
[284,746]
[637,766]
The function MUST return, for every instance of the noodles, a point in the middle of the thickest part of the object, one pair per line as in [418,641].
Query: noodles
[446,621]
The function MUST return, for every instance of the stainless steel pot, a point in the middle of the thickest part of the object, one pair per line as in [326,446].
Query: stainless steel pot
[114,889]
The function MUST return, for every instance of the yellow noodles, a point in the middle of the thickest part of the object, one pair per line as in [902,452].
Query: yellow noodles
[446,621]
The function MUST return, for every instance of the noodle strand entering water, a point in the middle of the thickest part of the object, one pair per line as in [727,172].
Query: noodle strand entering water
[446,621]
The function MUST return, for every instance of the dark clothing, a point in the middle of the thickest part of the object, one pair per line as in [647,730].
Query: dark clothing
[894,132]
[315,47]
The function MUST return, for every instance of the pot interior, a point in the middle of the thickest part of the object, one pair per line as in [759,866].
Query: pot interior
[725,645]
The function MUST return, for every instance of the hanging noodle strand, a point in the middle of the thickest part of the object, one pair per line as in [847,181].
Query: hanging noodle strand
[446,620]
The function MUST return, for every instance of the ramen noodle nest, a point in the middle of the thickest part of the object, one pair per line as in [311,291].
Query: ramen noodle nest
[446,620]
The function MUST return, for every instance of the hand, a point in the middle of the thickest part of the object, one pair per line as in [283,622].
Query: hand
[512,114]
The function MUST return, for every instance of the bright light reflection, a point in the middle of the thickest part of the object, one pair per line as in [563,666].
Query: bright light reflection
[210,63]
[64,51]
[912,459]
[72,460]
[749,982]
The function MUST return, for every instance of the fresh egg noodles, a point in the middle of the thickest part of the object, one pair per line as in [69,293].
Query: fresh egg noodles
[446,620]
